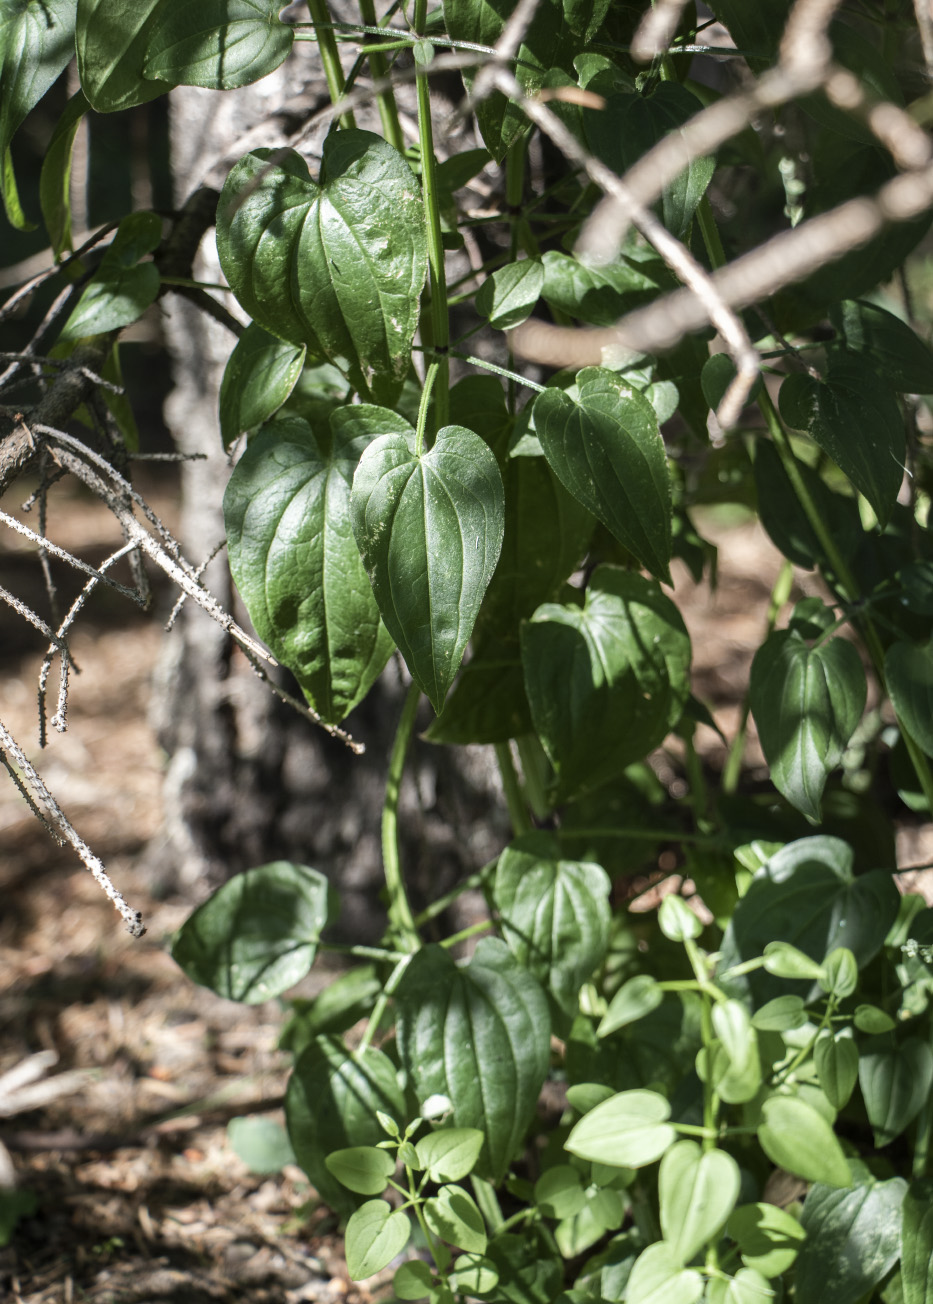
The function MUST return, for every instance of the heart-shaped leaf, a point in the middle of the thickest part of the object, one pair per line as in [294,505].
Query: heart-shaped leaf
[794,1136]
[453,1216]
[604,445]
[895,1079]
[697,1191]
[336,264]
[479,1035]
[219,44]
[908,670]
[510,294]
[659,1277]
[294,559]
[837,1062]
[600,293]
[853,416]
[605,683]
[554,913]
[629,1129]
[806,702]
[429,528]
[374,1236]
[887,344]
[768,1237]
[449,1155]
[260,374]
[122,288]
[853,1240]
[111,38]
[362,1169]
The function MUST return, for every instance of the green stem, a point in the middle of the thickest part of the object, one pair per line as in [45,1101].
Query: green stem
[535,769]
[416,1204]
[513,790]
[378,1010]
[470,931]
[440,326]
[441,903]
[499,371]
[330,58]
[388,109]
[363,952]
[710,233]
[424,406]
[400,916]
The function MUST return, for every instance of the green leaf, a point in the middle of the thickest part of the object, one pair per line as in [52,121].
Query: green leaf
[487,703]
[659,1277]
[769,1239]
[603,442]
[854,417]
[13,1206]
[453,1216]
[332,1103]
[36,44]
[634,999]
[697,1191]
[374,1235]
[413,1280]
[794,1136]
[55,178]
[785,520]
[122,288]
[608,682]
[257,935]
[840,973]
[362,1169]
[510,294]
[853,1240]
[555,915]
[631,124]
[599,294]
[676,920]
[294,558]
[747,1287]
[807,702]
[836,1058]
[219,44]
[786,961]
[602,1211]
[559,1192]
[429,528]
[908,670]
[895,1079]
[479,1035]
[260,374]
[111,38]
[783,1014]
[807,895]
[337,264]
[917,1243]
[261,1143]
[474,1275]
[869,1019]
[451,1154]
[888,345]
[629,1129]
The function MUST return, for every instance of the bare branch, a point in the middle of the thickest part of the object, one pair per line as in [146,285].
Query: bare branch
[656,30]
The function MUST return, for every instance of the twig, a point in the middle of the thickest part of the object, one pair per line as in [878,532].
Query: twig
[656,30]
[64,555]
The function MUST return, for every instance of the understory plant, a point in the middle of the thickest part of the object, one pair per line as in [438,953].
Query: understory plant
[697,278]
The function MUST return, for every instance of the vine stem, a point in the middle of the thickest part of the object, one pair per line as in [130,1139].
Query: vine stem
[330,58]
[400,915]
[440,327]
[518,813]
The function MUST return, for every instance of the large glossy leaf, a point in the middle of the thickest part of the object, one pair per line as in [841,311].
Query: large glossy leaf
[917,1243]
[219,44]
[853,1240]
[260,374]
[429,528]
[294,558]
[631,124]
[554,914]
[659,1277]
[336,264]
[795,1137]
[697,1191]
[257,935]
[603,442]
[853,416]
[908,670]
[895,1078]
[122,288]
[36,44]
[331,1104]
[111,37]
[55,178]
[479,1035]
[806,894]
[630,1129]
[606,682]
[487,703]
[807,702]
[600,293]
[785,520]
[887,344]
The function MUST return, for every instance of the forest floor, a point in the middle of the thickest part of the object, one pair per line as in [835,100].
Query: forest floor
[138,1195]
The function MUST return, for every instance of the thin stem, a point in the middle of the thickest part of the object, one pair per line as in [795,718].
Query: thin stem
[441,903]
[330,58]
[518,813]
[388,109]
[424,406]
[379,1008]
[470,931]
[499,371]
[440,326]
[400,915]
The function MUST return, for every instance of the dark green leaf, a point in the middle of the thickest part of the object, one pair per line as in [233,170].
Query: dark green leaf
[478,402]
[768,1237]
[331,1104]
[895,1078]
[509,295]
[337,264]
[603,442]
[917,1243]
[853,1240]
[374,1236]
[55,178]
[784,518]
[345,1000]
[111,37]
[429,528]
[794,1136]
[219,44]
[554,914]
[888,345]
[908,670]
[261,1143]
[479,1035]
[853,416]
[600,294]
[257,935]
[717,375]
[13,1206]
[806,702]
[294,559]
[260,374]
[608,682]
[122,288]
[487,703]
